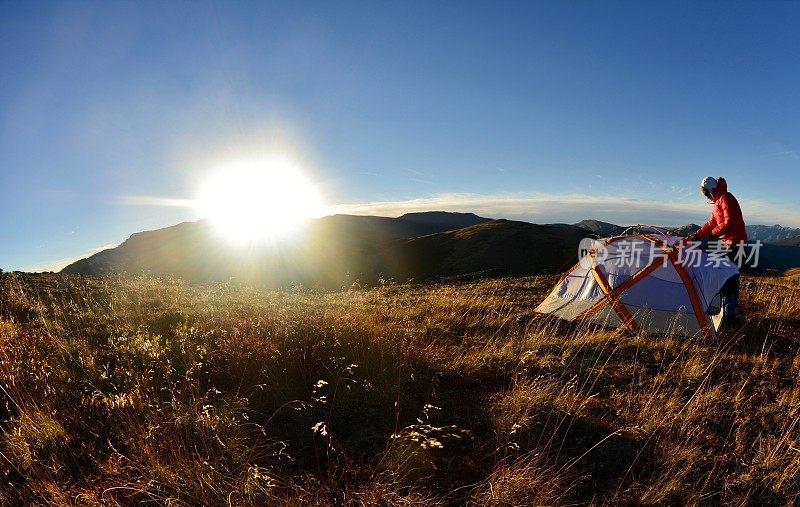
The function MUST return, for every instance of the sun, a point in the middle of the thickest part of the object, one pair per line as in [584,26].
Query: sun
[256,201]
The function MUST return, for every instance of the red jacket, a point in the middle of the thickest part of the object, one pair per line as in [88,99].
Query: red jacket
[726,220]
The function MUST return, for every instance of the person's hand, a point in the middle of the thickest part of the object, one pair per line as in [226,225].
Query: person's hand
[688,239]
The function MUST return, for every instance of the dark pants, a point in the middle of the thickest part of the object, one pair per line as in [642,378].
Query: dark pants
[730,296]
[730,291]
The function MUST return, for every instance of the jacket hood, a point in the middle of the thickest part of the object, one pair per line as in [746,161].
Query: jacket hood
[722,188]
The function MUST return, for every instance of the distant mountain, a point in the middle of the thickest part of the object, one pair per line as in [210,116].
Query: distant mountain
[792,241]
[770,233]
[601,228]
[339,248]
[685,230]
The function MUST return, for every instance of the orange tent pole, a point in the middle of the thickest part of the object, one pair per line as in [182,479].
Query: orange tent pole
[623,312]
[699,313]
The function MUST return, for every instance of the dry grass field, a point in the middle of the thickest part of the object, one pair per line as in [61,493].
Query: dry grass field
[142,391]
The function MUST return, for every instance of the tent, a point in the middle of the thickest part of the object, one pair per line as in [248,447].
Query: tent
[645,282]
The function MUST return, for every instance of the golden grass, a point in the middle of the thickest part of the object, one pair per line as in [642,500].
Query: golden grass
[134,391]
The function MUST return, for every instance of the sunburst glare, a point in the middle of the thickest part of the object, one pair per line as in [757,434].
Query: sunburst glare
[260,200]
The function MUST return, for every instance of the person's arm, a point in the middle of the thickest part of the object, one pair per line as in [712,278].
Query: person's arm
[723,227]
[707,228]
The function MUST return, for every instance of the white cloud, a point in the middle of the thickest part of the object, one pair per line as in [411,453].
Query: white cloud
[682,208]
[570,208]
[767,213]
[58,265]
[145,200]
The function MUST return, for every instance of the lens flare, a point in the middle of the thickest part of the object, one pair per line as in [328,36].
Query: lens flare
[259,200]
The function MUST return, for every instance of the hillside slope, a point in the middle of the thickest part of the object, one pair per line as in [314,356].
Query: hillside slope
[501,246]
[138,391]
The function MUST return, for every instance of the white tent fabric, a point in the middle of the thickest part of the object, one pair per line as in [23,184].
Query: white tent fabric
[645,282]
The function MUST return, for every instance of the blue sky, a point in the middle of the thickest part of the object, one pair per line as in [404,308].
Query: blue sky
[542,111]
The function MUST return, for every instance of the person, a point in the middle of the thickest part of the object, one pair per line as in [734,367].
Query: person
[727,224]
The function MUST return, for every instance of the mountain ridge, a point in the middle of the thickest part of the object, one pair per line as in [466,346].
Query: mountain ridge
[419,246]
[337,247]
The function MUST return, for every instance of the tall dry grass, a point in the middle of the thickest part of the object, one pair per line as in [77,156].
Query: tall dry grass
[147,391]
